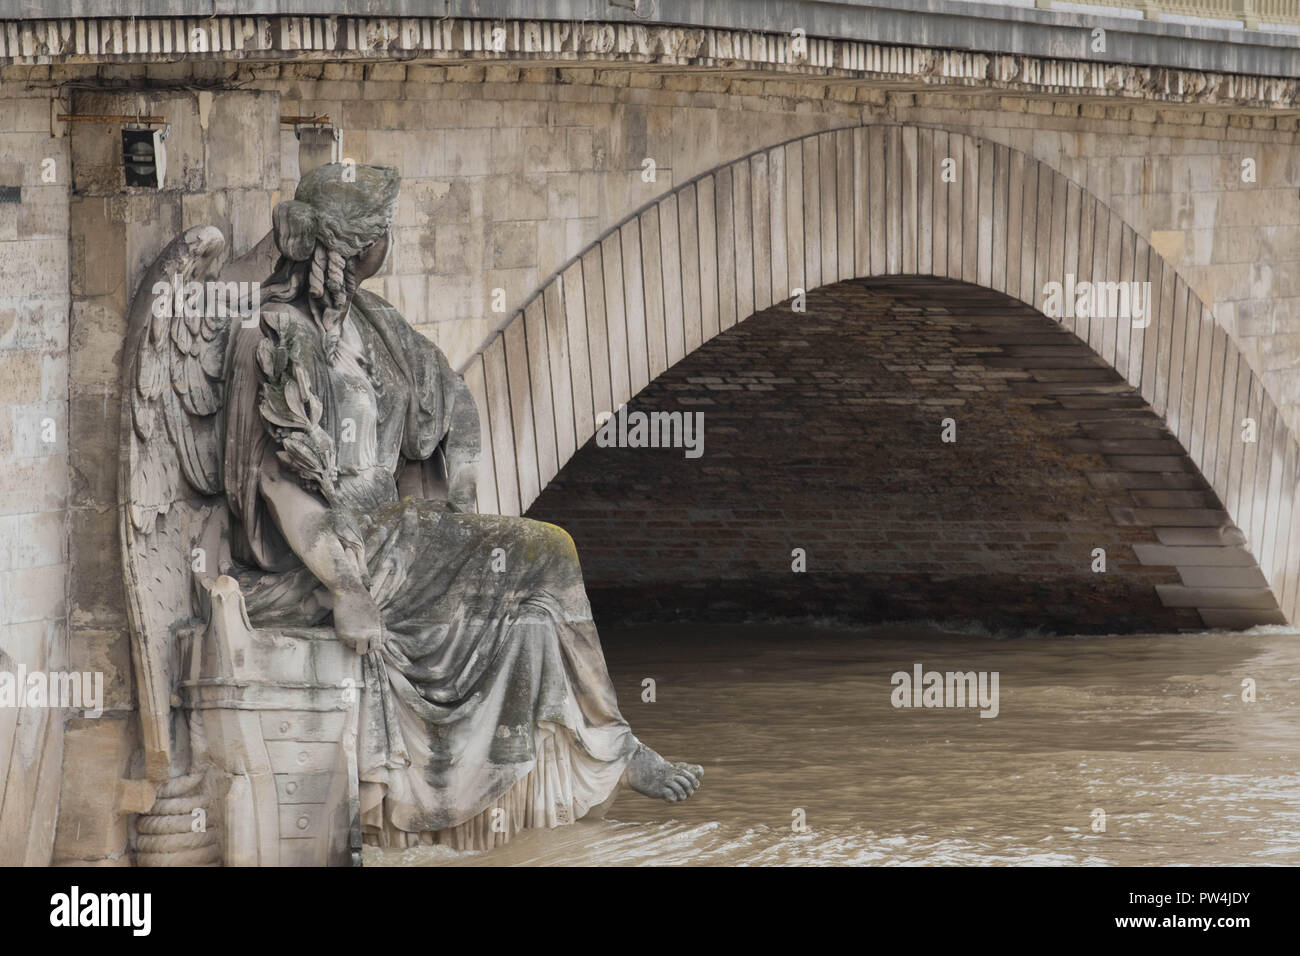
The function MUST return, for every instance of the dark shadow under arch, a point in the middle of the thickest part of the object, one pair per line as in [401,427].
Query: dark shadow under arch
[858,203]
[824,431]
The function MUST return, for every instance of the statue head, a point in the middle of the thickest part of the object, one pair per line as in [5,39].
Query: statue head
[332,236]
[344,207]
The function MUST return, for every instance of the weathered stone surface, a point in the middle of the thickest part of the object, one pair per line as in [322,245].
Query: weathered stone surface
[497,410]
[1210,577]
[522,423]
[1239,619]
[36,255]
[670,265]
[1164,556]
[652,278]
[539,383]
[1177,595]
[635,298]
[97,760]
[593,284]
[1203,536]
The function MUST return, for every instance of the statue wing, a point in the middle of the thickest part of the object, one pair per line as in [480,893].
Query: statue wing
[174,383]
[170,474]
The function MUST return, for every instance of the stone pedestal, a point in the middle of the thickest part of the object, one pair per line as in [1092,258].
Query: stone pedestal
[274,719]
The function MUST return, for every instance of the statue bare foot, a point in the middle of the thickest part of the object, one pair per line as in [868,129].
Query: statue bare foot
[652,775]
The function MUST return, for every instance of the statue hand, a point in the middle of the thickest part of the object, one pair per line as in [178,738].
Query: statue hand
[357,621]
[464,506]
[461,496]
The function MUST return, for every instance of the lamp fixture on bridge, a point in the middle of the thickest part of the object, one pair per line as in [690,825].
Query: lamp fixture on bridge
[144,157]
[319,141]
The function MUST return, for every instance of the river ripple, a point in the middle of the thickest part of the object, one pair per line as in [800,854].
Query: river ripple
[1151,729]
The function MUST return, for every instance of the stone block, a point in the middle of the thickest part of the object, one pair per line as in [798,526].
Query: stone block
[512,245]
[523,197]
[34,485]
[33,540]
[466,152]
[97,341]
[20,377]
[30,595]
[436,201]
[1203,577]
[1178,595]
[522,423]
[544,150]
[497,412]
[386,72]
[106,652]
[43,213]
[1235,619]
[96,594]
[1189,557]
[38,429]
[97,755]
[243,135]
[458,248]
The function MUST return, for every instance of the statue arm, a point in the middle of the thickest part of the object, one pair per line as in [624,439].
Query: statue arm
[308,527]
[462,450]
[442,437]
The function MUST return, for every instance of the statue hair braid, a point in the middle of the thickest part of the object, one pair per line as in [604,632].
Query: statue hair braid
[334,279]
[316,287]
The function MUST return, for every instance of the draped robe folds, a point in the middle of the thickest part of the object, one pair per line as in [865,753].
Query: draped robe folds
[490,691]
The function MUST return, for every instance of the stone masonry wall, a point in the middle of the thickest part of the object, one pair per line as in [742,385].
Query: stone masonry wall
[33,464]
[223,168]
[510,171]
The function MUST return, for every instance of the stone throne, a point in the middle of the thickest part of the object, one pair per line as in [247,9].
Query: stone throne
[248,734]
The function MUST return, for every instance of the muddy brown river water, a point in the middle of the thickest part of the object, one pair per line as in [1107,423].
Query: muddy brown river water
[1151,730]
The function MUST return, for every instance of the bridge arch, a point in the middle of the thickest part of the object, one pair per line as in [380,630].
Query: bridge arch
[864,202]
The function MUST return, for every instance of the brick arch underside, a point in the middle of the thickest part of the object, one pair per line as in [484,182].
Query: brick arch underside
[870,202]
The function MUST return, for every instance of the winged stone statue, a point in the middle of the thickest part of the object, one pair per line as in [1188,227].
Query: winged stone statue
[298,477]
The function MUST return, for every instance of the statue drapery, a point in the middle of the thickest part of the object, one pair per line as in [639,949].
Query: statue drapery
[474,658]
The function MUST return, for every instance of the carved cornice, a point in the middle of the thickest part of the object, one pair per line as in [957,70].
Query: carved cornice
[619,45]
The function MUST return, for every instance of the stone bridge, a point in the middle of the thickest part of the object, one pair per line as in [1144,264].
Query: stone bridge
[871,201]
[617,202]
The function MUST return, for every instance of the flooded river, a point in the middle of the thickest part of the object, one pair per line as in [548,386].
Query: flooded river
[797,724]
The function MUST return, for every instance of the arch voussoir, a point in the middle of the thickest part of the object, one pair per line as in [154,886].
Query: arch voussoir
[900,200]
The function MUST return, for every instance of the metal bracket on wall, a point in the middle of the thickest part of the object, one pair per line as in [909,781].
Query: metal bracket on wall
[112,118]
[297,122]
[59,115]
[319,141]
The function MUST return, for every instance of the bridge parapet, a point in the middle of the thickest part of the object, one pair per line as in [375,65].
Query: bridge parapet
[917,43]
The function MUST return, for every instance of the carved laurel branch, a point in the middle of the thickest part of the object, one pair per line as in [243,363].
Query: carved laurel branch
[292,412]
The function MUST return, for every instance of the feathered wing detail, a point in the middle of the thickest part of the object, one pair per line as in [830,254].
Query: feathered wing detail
[170,475]
[174,383]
